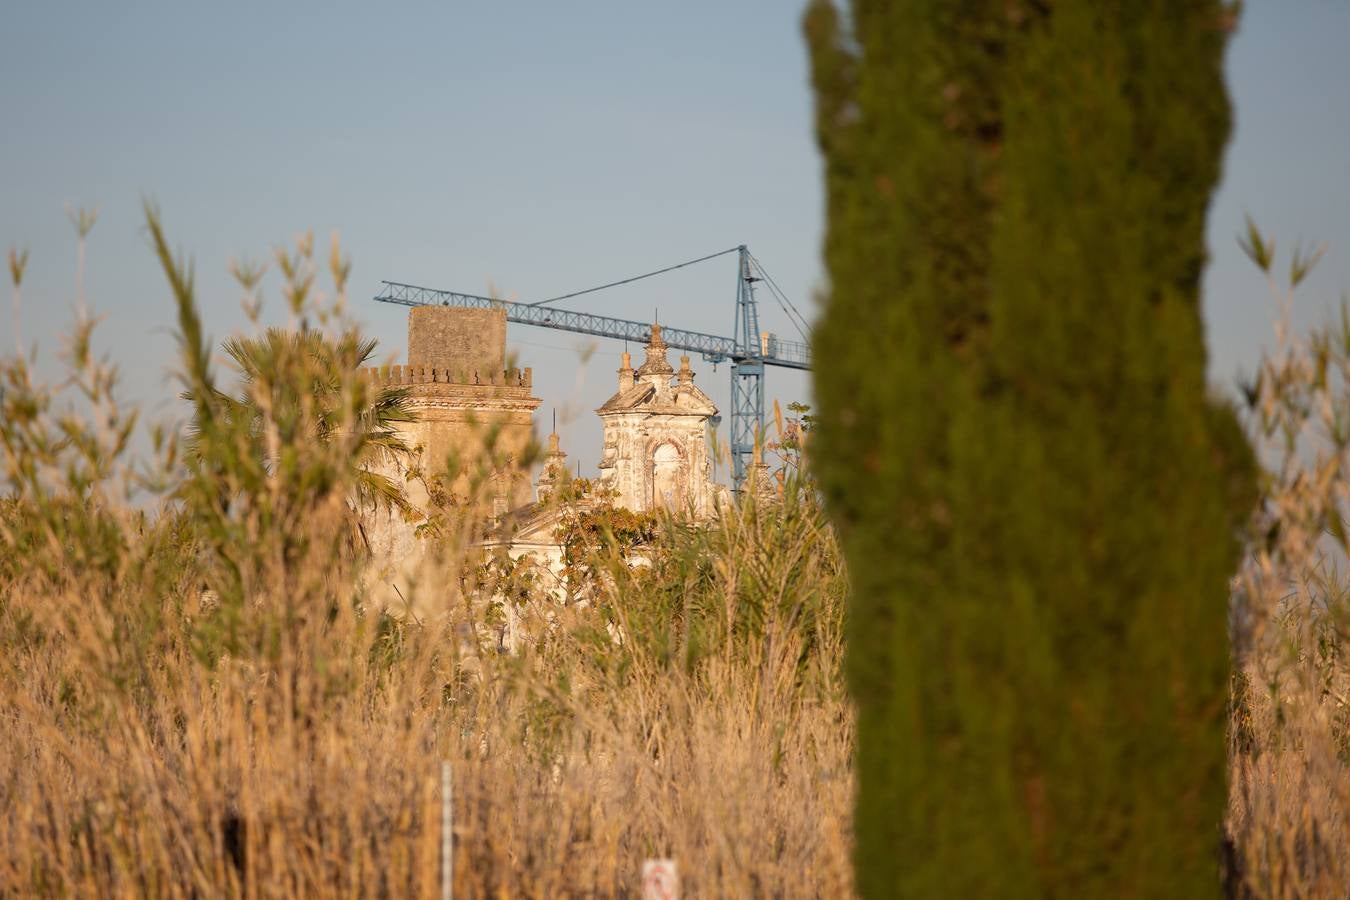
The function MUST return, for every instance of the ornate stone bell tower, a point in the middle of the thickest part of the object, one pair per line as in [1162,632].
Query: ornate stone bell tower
[656,437]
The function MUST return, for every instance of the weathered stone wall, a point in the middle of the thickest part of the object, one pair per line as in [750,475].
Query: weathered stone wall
[628,461]
[656,451]
[472,423]
[461,341]
[470,409]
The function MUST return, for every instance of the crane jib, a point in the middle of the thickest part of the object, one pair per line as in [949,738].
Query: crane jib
[769,349]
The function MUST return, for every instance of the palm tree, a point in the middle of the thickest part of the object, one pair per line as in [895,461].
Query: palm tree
[299,386]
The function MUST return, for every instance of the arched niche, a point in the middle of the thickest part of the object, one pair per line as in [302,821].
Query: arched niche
[667,477]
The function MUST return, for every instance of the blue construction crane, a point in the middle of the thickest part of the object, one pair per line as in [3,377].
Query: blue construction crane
[749,350]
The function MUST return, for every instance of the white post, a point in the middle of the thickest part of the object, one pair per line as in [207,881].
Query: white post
[447,835]
[660,880]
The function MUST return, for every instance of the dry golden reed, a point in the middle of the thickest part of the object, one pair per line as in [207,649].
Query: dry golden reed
[1290,728]
[197,701]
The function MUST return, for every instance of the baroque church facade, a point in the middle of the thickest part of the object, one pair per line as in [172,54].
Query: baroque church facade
[656,453]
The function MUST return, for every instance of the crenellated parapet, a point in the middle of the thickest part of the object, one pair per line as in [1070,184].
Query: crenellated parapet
[410,375]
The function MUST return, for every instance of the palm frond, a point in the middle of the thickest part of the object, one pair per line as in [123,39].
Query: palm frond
[380,492]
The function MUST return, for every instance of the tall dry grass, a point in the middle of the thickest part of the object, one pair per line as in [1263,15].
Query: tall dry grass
[1290,728]
[196,700]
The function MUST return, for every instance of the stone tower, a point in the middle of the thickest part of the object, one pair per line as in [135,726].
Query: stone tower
[467,408]
[462,394]
[656,437]
[467,405]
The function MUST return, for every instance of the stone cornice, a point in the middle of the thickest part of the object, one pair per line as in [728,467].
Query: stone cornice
[524,403]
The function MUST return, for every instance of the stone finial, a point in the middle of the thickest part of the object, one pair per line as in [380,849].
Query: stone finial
[686,373]
[759,483]
[555,469]
[656,366]
[626,372]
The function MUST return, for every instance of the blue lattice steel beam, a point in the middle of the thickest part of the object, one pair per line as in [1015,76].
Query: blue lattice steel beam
[714,348]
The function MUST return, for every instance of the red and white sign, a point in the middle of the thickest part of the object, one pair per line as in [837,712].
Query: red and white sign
[660,880]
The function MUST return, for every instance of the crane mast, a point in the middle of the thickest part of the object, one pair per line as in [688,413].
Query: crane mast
[747,373]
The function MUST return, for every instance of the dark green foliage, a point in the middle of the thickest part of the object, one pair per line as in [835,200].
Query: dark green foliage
[1038,502]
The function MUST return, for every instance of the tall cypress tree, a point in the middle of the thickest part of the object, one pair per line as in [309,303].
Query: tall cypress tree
[1038,501]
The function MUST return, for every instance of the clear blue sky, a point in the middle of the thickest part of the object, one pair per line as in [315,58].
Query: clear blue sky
[538,147]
